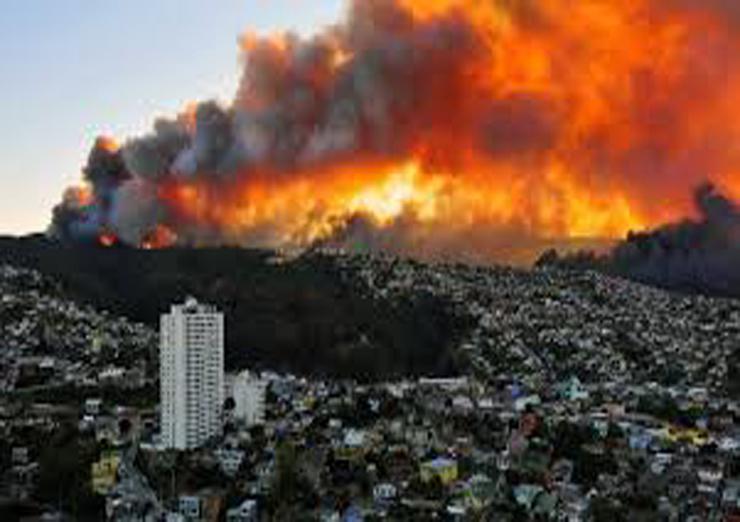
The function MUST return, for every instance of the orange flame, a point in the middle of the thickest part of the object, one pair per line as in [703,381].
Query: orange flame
[81,195]
[160,237]
[594,66]
[107,239]
[108,144]
[558,119]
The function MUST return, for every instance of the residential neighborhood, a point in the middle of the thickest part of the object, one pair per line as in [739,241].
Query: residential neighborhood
[586,398]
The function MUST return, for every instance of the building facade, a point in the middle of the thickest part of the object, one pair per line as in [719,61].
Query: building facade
[191,374]
[248,391]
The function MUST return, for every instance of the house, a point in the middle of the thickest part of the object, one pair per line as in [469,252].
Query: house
[693,436]
[47,366]
[23,479]
[446,384]
[353,446]
[244,512]
[352,514]
[106,430]
[522,403]
[456,512]
[111,376]
[561,471]
[731,494]
[442,468]
[573,503]
[93,406]
[249,393]
[384,493]
[640,440]
[104,472]
[698,395]
[481,491]
[729,444]
[573,390]
[19,456]
[710,474]
[189,506]
[526,494]
[600,424]
[230,460]
[462,404]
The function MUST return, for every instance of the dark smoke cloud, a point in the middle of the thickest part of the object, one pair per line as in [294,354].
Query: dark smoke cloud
[293,110]
[73,219]
[700,255]
[151,157]
[136,211]
[83,216]
[105,171]
[211,145]
[403,84]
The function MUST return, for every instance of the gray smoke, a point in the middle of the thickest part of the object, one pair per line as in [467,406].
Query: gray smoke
[76,218]
[294,110]
[701,255]
[403,89]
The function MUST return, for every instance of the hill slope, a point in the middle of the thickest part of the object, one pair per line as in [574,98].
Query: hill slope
[375,316]
[299,316]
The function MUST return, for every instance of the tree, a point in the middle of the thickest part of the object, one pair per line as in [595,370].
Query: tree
[64,473]
[604,510]
[286,479]
[124,427]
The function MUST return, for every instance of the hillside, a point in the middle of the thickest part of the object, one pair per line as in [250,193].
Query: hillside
[40,325]
[546,325]
[379,316]
[299,316]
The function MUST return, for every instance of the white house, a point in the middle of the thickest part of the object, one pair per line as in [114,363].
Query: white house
[249,392]
[245,512]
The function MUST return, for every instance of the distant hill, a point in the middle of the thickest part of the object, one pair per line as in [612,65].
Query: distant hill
[299,316]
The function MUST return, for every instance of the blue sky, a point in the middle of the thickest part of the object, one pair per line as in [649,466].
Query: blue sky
[74,69]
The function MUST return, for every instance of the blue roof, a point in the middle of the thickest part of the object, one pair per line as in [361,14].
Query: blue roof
[441,462]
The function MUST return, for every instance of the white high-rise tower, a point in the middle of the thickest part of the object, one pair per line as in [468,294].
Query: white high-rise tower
[191,374]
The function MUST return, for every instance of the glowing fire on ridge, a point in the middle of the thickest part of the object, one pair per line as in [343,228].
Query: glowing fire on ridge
[438,121]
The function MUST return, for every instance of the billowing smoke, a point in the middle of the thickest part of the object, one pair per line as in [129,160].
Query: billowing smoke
[444,128]
[701,255]
[85,212]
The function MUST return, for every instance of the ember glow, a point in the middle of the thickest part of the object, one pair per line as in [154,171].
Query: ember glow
[441,127]
[107,239]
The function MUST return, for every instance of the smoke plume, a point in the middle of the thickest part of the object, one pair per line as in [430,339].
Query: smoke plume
[442,128]
[701,255]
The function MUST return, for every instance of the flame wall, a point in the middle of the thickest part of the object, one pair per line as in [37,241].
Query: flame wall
[438,127]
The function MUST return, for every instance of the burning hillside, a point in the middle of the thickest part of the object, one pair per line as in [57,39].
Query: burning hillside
[438,128]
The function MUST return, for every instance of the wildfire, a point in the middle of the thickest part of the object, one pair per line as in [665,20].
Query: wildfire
[160,237]
[107,144]
[436,119]
[107,239]
[80,196]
